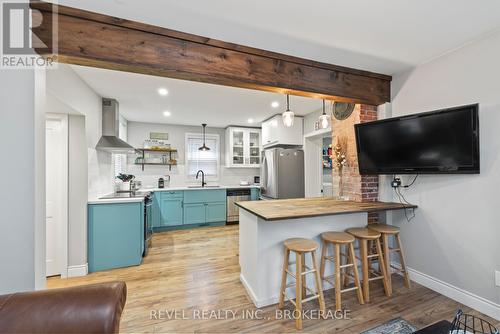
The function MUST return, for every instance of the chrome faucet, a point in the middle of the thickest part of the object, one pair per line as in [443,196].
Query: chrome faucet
[203,183]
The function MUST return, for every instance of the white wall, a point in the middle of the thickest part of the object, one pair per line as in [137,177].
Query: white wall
[65,85]
[19,206]
[90,171]
[455,235]
[136,134]
[77,191]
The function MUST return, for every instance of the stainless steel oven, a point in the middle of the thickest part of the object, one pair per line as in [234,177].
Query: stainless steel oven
[233,196]
[148,223]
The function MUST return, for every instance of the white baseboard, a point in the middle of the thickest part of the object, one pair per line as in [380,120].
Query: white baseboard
[76,271]
[462,296]
[253,297]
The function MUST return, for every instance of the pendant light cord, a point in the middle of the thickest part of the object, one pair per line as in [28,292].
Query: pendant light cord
[287,102]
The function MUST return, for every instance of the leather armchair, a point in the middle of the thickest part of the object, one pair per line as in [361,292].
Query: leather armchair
[95,308]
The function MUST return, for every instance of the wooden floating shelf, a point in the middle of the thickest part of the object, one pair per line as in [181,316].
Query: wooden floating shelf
[165,150]
[143,151]
[155,163]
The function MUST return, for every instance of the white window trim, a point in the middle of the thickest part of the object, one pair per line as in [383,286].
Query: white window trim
[200,135]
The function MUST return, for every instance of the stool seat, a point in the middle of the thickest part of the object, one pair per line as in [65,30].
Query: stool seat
[384,228]
[301,245]
[364,233]
[337,237]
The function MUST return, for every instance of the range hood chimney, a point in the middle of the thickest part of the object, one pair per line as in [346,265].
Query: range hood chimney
[110,142]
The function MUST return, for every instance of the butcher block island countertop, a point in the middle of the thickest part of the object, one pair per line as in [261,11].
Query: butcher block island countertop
[314,207]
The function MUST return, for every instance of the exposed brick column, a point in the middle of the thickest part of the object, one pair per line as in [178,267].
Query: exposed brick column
[355,186]
[369,183]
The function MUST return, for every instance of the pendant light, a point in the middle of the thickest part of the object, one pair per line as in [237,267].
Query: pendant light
[204,147]
[288,115]
[324,119]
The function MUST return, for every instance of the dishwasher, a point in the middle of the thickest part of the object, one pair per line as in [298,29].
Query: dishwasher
[233,196]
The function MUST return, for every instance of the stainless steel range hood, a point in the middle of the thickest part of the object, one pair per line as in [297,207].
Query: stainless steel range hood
[110,142]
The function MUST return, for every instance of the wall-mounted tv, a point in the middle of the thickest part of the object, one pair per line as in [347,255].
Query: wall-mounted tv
[437,142]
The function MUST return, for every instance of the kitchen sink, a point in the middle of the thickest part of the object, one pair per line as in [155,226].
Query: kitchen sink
[200,187]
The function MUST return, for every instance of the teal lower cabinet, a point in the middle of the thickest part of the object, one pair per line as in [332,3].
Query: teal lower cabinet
[171,209]
[115,235]
[204,206]
[215,212]
[156,198]
[194,213]
[184,208]
[254,194]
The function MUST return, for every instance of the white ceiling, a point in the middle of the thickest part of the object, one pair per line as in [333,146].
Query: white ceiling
[189,102]
[385,36]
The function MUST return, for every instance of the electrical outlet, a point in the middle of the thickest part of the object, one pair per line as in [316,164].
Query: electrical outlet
[497,278]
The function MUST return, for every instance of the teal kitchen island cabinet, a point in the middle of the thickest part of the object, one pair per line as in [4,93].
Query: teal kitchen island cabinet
[115,235]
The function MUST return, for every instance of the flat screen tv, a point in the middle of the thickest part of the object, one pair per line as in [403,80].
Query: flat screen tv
[437,142]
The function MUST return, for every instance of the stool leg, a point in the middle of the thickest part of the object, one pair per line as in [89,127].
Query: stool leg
[336,264]
[387,258]
[344,260]
[298,291]
[363,245]
[352,256]
[383,270]
[403,262]
[323,259]
[317,281]
[283,279]
[304,282]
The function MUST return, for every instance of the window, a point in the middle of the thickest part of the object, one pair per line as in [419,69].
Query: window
[208,161]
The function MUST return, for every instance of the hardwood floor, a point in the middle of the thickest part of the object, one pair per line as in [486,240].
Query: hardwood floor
[195,270]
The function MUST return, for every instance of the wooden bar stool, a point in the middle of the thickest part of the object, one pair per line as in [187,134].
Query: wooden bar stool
[387,231]
[300,247]
[337,240]
[363,235]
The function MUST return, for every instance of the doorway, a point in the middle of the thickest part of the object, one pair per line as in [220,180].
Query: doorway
[56,217]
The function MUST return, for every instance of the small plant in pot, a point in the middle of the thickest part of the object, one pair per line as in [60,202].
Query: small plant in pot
[125,178]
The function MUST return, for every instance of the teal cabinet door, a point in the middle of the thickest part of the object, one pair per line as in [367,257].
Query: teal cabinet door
[194,213]
[156,214]
[171,211]
[254,194]
[216,212]
[115,235]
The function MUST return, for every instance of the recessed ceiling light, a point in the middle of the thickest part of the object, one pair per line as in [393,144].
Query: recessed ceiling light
[275,104]
[250,120]
[163,91]
[167,113]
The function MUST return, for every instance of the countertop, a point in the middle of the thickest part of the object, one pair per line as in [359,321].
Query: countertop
[115,200]
[199,188]
[148,190]
[313,207]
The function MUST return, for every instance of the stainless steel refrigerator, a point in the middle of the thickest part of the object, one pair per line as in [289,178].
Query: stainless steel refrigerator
[282,173]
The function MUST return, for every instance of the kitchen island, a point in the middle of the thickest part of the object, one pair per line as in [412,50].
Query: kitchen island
[264,225]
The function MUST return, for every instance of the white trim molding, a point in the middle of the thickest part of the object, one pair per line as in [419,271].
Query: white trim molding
[462,296]
[77,271]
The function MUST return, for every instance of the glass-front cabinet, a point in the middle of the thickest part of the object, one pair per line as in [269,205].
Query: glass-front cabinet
[243,147]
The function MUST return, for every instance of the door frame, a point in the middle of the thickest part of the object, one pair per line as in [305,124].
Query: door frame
[64,226]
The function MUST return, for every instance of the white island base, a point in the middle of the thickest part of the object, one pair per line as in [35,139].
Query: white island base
[262,250]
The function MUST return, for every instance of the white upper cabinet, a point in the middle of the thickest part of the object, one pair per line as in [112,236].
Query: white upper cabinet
[243,146]
[274,132]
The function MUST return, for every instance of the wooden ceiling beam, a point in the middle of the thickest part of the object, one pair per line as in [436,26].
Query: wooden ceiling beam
[91,39]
